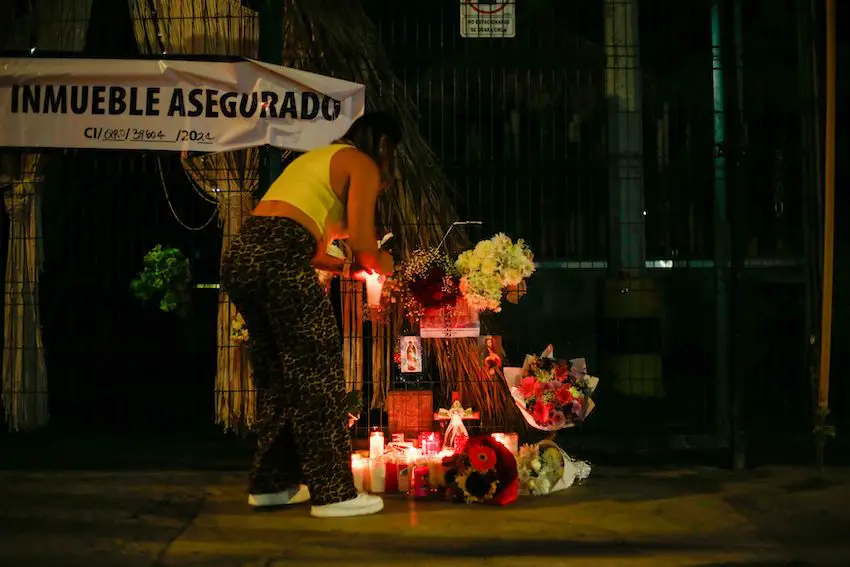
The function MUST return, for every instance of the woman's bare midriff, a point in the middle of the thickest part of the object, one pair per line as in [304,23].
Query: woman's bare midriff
[286,210]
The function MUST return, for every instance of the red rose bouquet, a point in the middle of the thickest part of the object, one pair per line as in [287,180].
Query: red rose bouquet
[552,394]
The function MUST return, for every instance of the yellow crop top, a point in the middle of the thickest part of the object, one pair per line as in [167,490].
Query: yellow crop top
[306,185]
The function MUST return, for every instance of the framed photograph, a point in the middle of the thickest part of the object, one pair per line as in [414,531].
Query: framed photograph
[490,354]
[410,349]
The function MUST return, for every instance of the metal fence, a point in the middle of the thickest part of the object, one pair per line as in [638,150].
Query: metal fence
[595,134]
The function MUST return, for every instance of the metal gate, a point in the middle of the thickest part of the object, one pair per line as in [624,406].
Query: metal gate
[596,134]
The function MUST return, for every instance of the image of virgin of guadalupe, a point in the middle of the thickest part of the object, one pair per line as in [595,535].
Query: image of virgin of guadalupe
[491,360]
[411,356]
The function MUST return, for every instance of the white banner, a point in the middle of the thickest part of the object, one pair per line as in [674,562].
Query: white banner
[170,105]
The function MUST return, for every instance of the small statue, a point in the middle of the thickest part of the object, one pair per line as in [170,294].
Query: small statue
[456,432]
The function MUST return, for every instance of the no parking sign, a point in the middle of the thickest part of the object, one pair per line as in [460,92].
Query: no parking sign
[487,18]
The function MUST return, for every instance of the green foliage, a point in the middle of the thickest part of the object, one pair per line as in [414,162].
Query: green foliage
[165,279]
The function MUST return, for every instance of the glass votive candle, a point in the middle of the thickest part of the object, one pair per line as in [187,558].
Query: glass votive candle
[378,475]
[509,440]
[376,445]
[420,486]
[429,442]
[404,473]
[359,468]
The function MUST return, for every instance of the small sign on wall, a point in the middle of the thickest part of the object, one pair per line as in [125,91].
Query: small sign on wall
[488,18]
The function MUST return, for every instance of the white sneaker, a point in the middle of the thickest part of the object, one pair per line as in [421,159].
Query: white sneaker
[294,495]
[362,505]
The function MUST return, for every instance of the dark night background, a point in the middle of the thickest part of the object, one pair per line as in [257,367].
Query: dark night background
[118,367]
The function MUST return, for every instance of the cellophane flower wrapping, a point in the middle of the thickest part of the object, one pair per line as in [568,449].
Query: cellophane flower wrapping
[552,394]
[491,267]
[544,468]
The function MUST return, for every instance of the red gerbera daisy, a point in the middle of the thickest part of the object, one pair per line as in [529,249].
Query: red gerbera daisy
[481,458]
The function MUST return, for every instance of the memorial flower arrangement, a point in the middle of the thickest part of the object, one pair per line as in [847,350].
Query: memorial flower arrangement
[552,394]
[539,470]
[485,471]
[430,279]
[427,280]
[490,268]
[545,468]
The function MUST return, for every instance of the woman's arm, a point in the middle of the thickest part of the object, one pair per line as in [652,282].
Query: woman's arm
[364,182]
[330,263]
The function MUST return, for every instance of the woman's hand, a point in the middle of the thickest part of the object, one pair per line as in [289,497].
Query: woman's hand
[381,262]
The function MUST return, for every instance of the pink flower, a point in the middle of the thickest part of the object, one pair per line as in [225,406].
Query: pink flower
[558,418]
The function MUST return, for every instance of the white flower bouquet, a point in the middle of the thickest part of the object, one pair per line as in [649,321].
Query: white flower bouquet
[430,281]
[492,267]
[545,468]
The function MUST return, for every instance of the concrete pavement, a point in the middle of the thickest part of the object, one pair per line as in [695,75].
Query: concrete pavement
[620,517]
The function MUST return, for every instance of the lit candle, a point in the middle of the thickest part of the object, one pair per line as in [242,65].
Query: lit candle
[429,442]
[435,466]
[376,445]
[509,440]
[374,285]
[420,486]
[513,439]
[404,473]
[378,472]
[359,466]
[391,475]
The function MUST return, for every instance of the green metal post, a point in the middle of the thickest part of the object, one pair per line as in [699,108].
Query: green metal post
[721,234]
[738,206]
[270,50]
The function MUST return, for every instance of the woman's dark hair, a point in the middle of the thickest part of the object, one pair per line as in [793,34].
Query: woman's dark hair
[366,132]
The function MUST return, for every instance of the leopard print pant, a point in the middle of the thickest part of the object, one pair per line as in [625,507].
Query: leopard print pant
[296,353]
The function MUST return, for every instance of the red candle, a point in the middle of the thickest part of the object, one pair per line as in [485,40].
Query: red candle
[420,483]
[391,483]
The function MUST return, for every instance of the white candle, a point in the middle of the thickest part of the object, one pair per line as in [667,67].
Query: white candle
[376,445]
[378,474]
[358,468]
[374,286]
[405,471]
